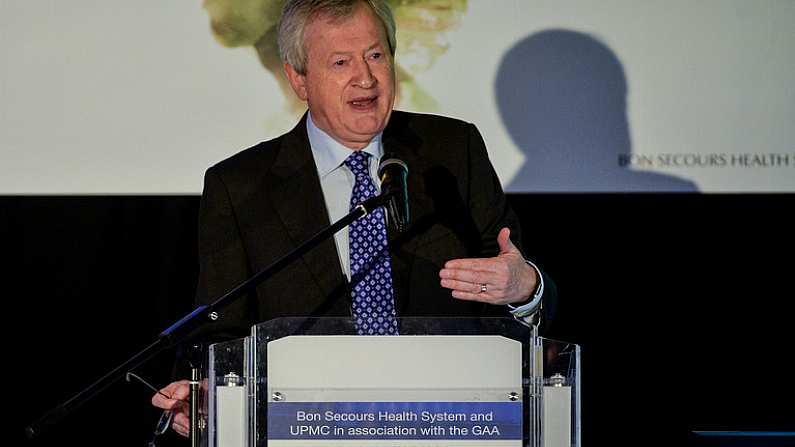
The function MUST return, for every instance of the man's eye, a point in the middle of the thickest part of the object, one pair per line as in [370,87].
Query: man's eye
[339,63]
[376,56]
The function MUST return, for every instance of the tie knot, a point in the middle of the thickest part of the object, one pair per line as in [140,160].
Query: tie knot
[359,163]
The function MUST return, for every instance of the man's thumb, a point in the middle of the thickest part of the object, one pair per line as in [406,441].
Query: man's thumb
[504,241]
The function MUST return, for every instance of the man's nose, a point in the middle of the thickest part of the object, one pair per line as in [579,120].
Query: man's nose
[364,75]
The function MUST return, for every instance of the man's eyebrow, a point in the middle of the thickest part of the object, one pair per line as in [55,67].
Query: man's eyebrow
[349,53]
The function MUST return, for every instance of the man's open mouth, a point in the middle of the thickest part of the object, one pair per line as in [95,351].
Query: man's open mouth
[364,102]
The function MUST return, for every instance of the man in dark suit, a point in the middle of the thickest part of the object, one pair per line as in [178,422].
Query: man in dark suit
[456,257]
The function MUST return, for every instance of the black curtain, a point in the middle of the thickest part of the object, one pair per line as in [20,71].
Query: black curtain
[679,301]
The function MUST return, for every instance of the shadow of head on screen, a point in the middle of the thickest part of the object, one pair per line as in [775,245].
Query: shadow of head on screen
[562,96]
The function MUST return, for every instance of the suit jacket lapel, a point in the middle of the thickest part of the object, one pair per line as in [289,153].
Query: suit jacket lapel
[298,200]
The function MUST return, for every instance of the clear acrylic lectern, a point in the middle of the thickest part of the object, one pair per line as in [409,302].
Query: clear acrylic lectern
[442,382]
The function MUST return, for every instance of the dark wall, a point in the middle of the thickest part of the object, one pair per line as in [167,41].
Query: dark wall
[93,281]
[679,301]
[681,305]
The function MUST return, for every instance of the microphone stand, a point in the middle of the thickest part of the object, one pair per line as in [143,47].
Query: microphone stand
[201,315]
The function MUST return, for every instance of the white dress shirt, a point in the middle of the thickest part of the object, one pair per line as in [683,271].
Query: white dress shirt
[336,180]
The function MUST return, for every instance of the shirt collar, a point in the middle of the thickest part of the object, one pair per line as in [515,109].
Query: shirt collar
[329,153]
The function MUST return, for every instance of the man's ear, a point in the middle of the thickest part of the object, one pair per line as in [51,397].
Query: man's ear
[297,81]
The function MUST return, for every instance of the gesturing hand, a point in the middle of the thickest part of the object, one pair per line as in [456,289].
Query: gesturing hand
[503,279]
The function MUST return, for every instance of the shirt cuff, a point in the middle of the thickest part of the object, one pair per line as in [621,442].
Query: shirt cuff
[526,311]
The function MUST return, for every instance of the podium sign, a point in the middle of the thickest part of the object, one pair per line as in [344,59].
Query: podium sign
[442,382]
[378,389]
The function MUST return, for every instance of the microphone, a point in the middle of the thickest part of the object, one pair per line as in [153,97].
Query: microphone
[393,172]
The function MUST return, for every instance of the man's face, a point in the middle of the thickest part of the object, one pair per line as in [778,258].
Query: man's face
[350,79]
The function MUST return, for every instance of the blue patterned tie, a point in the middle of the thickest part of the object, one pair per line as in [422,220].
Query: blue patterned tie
[371,268]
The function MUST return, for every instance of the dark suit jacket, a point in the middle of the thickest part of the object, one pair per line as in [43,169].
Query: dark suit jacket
[264,201]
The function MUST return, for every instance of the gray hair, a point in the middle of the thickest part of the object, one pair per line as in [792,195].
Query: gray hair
[297,14]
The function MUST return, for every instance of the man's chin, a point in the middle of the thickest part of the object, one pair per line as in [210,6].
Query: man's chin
[356,140]
[367,127]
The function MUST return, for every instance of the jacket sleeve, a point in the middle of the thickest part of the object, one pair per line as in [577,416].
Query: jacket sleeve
[222,262]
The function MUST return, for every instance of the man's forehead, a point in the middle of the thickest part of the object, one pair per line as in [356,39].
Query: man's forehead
[337,22]
[340,15]
[348,32]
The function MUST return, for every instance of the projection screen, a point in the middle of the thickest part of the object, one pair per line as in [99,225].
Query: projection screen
[112,97]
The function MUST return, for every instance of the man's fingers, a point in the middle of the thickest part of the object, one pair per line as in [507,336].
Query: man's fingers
[181,424]
[496,277]
[470,276]
[181,429]
[482,264]
[484,297]
[164,403]
[465,286]
[178,390]
[178,393]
